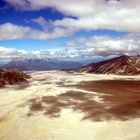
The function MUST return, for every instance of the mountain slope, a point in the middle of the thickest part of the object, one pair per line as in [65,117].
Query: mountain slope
[42,64]
[123,65]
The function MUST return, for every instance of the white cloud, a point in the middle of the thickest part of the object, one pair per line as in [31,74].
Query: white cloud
[11,31]
[7,54]
[42,22]
[120,15]
[93,47]
[106,46]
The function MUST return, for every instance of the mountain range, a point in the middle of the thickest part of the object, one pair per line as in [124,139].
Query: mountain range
[122,65]
[42,64]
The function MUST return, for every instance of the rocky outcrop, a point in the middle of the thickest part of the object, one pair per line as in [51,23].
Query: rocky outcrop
[12,76]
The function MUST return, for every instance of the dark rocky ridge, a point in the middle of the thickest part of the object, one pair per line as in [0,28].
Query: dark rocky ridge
[12,76]
[123,65]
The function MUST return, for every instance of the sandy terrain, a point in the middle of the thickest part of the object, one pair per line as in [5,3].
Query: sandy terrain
[56,105]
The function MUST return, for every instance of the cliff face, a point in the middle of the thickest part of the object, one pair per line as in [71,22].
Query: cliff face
[123,65]
[12,77]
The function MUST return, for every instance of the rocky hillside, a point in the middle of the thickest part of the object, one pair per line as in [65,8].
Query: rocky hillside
[12,77]
[123,65]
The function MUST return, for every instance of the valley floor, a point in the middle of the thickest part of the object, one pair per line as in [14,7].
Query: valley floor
[56,105]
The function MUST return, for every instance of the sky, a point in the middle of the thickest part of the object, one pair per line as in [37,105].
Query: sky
[69,29]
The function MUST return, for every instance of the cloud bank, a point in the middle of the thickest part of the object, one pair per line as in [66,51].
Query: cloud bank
[9,31]
[93,47]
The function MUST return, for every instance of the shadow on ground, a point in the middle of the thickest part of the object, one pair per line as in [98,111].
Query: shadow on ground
[121,100]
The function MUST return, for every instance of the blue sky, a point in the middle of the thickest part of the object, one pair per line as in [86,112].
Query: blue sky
[27,26]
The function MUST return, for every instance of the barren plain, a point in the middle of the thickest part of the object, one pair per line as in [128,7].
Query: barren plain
[56,105]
